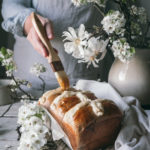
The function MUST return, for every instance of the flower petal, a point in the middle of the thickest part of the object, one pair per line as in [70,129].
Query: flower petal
[73,32]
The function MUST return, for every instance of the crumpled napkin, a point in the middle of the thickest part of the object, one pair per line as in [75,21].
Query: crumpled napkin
[135,131]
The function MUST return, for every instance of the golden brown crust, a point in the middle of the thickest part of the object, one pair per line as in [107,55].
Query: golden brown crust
[87,131]
[90,95]
[83,118]
[104,129]
[67,103]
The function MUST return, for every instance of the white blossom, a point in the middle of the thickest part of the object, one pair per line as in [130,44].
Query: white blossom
[30,109]
[12,83]
[94,48]
[135,28]
[99,80]
[25,97]
[31,122]
[76,41]
[13,86]
[13,89]
[15,83]
[41,129]
[83,46]
[83,2]
[101,3]
[122,50]
[143,18]
[114,21]
[6,58]
[32,119]
[134,10]
[9,73]
[31,140]
[29,85]
[1,55]
[37,69]
[10,52]
[77,2]
[24,112]
[7,62]
[140,12]
[22,81]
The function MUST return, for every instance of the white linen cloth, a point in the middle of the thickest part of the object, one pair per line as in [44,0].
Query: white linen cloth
[135,131]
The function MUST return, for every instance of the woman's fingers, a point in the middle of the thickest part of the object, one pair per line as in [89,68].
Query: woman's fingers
[49,30]
[48,26]
[33,37]
[37,43]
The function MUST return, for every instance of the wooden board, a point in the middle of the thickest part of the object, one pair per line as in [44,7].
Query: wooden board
[8,125]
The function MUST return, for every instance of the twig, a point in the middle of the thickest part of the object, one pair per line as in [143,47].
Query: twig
[43,85]
[117,2]
[98,8]
[9,117]
[21,88]
[19,98]
[19,133]
[6,110]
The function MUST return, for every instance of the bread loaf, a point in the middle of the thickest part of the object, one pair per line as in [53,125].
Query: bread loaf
[89,123]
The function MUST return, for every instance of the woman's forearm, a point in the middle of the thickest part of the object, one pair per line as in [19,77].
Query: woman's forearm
[15,13]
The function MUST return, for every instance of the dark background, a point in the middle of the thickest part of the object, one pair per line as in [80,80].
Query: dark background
[3,42]
[6,40]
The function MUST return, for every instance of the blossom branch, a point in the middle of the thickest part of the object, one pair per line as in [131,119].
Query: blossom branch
[99,9]
[21,88]
[43,84]
[6,110]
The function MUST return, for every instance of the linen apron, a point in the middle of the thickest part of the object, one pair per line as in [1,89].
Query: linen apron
[63,14]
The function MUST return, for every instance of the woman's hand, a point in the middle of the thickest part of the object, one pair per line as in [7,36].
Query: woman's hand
[33,37]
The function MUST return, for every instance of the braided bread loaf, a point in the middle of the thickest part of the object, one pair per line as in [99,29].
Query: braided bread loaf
[89,123]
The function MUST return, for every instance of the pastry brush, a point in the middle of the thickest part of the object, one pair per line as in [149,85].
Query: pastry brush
[53,57]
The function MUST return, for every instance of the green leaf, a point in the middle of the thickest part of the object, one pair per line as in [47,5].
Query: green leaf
[4,51]
[39,115]
[83,1]
[7,56]
[124,1]
[122,41]
[132,50]
[110,12]
[102,1]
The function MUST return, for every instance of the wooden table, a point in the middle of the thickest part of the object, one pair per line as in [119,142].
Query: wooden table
[8,125]
[8,133]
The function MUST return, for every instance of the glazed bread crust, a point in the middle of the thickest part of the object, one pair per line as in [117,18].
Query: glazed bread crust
[85,129]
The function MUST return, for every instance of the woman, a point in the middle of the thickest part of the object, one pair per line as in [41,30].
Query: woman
[57,13]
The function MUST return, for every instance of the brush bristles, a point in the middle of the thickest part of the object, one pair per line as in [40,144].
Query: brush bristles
[62,79]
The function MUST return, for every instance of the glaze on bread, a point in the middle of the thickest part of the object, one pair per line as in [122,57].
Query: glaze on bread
[89,123]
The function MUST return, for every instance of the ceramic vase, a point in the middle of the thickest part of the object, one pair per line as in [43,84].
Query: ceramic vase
[133,78]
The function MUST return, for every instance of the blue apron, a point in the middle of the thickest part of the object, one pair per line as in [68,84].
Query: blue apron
[63,14]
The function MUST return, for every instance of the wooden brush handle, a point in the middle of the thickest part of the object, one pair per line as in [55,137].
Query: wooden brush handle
[53,57]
